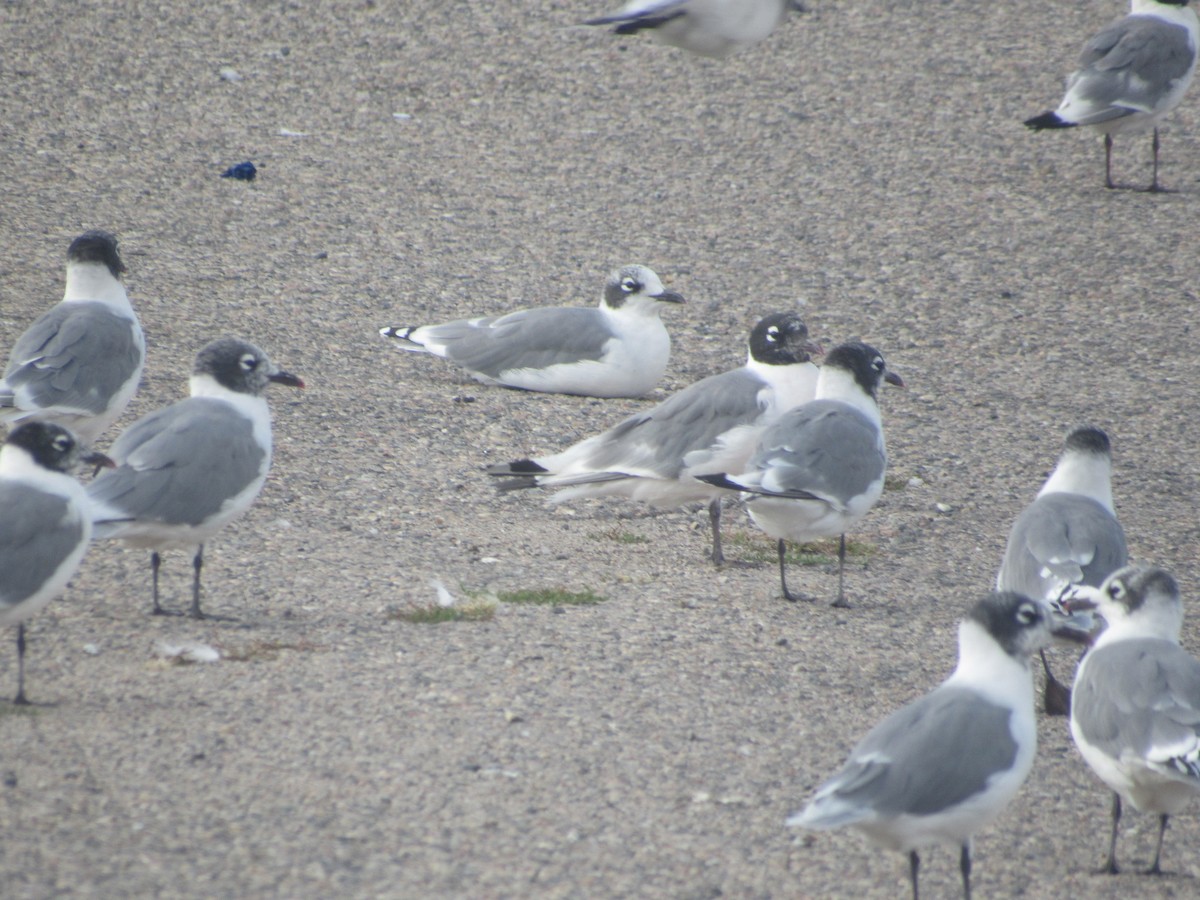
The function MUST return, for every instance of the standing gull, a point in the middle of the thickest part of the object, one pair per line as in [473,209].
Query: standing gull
[1069,535]
[713,28]
[618,349]
[1131,75]
[1135,708]
[186,471]
[80,362]
[819,468]
[710,426]
[941,768]
[45,524]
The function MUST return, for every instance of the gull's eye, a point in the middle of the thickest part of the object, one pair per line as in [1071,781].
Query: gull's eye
[249,362]
[773,334]
[630,285]
[1027,614]
[1116,590]
[62,443]
[878,364]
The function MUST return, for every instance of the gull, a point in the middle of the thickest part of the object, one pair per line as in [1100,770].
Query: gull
[1135,708]
[941,768]
[819,468]
[186,471]
[714,28]
[657,456]
[619,349]
[1068,535]
[80,362]
[45,525]
[1130,76]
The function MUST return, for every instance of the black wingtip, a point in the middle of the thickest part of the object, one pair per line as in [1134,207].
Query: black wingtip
[720,480]
[526,468]
[1048,119]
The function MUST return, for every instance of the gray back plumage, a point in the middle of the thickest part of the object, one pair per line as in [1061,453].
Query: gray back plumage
[1134,60]
[688,421]
[1134,695]
[36,536]
[76,355]
[928,756]
[179,465]
[1061,539]
[531,338]
[825,447]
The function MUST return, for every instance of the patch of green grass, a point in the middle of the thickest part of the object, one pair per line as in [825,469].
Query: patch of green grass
[551,597]
[8,708]
[266,649]
[621,537]
[757,547]
[434,614]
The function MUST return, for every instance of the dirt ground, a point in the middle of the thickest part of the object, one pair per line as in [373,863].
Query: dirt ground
[426,160]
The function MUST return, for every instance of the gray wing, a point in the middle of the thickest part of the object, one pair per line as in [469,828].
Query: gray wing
[824,449]
[180,464]
[528,339]
[1061,539]
[654,443]
[1130,64]
[76,356]
[1142,697]
[922,759]
[37,533]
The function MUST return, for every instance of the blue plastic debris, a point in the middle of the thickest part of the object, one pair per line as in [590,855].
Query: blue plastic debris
[243,171]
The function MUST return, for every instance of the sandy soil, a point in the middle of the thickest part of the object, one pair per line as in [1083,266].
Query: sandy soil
[420,161]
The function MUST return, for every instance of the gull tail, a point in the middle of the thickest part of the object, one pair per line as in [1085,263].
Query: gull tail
[721,480]
[401,334]
[522,473]
[1048,119]
[633,23]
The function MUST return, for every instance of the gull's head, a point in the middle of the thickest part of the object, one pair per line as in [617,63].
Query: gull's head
[240,366]
[781,339]
[96,247]
[636,288]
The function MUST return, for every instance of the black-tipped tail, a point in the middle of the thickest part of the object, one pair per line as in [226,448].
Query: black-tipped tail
[518,468]
[720,480]
[399,332]
[626,25]
[1048,119]
[521,474]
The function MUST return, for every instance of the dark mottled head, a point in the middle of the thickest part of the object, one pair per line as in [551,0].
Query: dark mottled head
[96,247]
[633,283]
[1021,626]
[240,366]
[781,339]
[1136,591]
[51,446]
[865,363]
[1088,439]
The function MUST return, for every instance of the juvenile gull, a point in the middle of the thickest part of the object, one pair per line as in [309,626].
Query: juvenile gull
[819,468]
[618,349]
[657,456]
[186,471]
[80,362]
[1130,76]
[45,524]
[1068,535]
[713,28]
[941,768]
[1135,708]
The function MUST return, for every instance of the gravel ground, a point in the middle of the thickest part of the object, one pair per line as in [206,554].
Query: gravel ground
[428,160]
